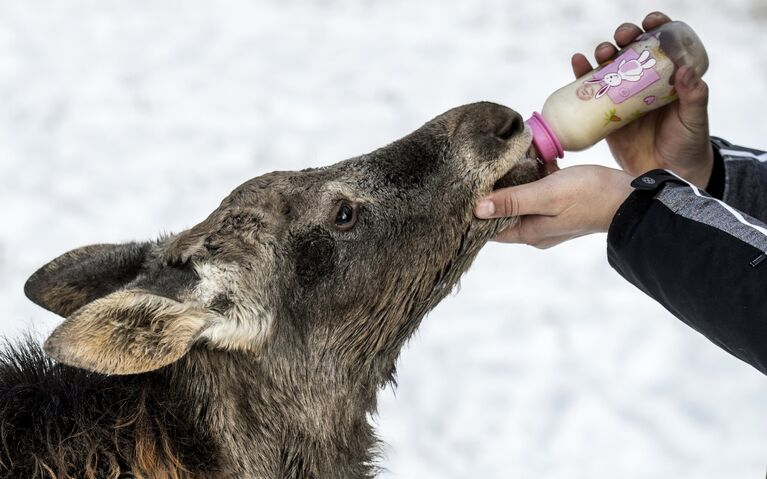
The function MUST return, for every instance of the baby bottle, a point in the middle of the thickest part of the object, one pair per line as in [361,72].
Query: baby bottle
[638,80]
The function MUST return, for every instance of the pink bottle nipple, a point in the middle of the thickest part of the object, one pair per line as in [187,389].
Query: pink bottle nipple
[544,140]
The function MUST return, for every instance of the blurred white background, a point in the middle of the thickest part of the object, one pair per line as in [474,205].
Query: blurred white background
[120,120]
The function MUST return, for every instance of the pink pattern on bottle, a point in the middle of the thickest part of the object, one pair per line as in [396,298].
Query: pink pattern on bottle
[629,74]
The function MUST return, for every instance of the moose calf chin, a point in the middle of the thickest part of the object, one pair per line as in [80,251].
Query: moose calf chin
[253,344]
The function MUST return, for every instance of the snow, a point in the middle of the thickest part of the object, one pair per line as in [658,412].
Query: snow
[121,120]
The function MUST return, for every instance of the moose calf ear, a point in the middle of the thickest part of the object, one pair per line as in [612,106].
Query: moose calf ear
[127,332]
[74,279]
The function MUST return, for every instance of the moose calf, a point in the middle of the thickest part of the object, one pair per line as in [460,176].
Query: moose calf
[253,344]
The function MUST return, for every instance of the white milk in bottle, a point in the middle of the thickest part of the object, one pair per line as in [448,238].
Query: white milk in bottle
[639,79]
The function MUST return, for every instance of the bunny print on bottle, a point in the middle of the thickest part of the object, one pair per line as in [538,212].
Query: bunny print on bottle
[640,79]
[627,75]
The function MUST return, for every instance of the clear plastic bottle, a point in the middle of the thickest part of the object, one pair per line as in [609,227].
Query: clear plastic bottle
[638,80]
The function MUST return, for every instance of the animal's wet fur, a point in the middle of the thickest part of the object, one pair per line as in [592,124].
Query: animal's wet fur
[253,344]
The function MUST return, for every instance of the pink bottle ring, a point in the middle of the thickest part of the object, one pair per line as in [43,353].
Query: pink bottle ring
[545,141]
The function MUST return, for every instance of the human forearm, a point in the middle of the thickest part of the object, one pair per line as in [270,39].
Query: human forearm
[701,260]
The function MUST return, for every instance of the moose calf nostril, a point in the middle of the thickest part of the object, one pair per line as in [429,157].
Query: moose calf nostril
[513,125]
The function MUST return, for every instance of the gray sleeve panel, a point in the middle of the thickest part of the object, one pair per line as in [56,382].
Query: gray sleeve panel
[686,202]
[745,178]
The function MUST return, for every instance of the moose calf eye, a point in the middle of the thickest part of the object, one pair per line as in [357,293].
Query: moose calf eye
[346,215]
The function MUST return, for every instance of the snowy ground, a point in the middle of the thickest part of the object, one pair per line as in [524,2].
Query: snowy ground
[119,120]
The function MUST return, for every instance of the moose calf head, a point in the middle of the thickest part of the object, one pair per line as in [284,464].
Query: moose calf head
[331,268]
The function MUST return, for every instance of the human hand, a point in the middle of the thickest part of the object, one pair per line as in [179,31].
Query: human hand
[566,204]
[674,137]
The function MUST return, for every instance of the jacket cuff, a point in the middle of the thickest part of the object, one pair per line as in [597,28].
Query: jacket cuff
[631,212]
[628,217]
[716,183]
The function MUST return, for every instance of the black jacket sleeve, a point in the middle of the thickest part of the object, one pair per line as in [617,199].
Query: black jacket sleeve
[740,178]
[702,259]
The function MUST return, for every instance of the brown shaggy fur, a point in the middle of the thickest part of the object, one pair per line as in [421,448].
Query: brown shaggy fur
[253,344]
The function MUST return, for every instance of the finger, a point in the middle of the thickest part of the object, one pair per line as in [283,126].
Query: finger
[526,231]
[693,99]
[581,65]
[626,33]
[551,242]
[654,20]
[509,235]
[530,198]
[604,52]
[538,231]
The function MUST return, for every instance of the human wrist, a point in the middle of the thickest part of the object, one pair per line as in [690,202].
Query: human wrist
[700,174]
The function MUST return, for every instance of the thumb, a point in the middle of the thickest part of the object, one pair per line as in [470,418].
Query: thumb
[530,198]
[693,99]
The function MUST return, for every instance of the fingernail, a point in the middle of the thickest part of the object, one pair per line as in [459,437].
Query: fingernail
[690,78]
[604,45]
[484,209]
